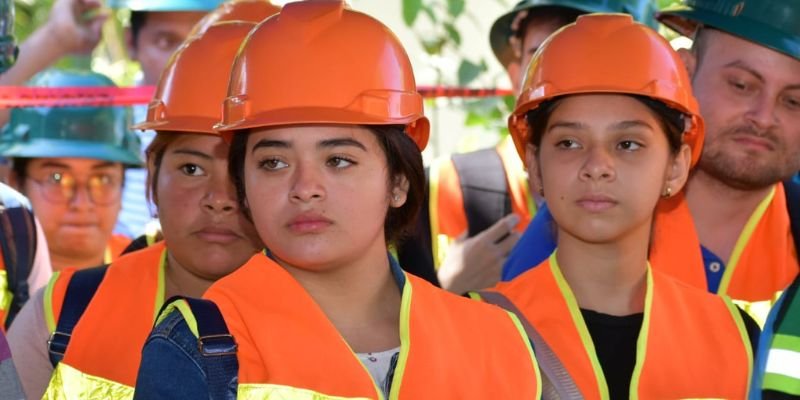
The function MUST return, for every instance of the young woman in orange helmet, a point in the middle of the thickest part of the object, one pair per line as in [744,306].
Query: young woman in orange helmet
[327,128]
[96,333]
[608,125]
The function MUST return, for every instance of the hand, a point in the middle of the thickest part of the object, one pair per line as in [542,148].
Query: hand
[476,263]
[76,25]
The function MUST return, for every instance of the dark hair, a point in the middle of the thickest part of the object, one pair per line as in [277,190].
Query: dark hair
[403,158]
[670,119]
[137,21]
[19,168]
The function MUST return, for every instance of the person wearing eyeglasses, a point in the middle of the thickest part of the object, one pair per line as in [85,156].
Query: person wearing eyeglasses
[70,162]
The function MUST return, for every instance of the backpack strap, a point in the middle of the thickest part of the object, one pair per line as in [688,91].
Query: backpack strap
[484,188]
[791,187]
[80,291]
[216,346]
[556,381]
[18,244]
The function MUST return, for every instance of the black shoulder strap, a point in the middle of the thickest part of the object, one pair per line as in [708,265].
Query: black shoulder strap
[80,291]
[791,187]
[18,241]
[556,381]
[217,347]
[484,188]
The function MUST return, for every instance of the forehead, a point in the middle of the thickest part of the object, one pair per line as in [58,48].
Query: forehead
[723,50]
[209,144]
[70,164]
[172,21]
[313,133]
[538,29]
[601,109]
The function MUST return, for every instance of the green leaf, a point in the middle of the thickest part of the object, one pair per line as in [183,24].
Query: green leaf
[455,7]
[467,72]
[411,9]
[453,33]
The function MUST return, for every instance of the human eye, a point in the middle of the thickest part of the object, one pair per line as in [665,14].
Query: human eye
[103,180]
[792,102]
[192,169]
[272,163]
[629,145]
[340,162]
[567,144]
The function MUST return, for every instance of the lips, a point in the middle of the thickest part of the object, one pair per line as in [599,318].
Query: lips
[309,222]
[596,202]
[754,142]
[219,235]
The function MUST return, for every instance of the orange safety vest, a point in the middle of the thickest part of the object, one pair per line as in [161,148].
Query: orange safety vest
[448,219]
[451,347]
[692,344]
[104,352]
[763,262]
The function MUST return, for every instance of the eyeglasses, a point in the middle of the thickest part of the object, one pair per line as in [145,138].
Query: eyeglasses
[62,187]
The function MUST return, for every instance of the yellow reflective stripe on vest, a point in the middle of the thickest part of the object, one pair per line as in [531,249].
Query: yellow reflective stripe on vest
[583,331]
[279,392]
[737,317]
[49,316]
[742,241]
[527,341]
[782,373]
[644,333]
[759,310]
[69,383]
[5,295]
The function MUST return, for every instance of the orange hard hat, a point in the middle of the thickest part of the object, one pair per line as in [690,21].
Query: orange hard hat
[191,88]
[320,62]
[237,10]
[608,53]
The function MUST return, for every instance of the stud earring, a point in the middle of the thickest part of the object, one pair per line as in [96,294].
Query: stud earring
[667,192]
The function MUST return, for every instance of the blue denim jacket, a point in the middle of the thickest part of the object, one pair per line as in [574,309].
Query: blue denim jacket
[172,366]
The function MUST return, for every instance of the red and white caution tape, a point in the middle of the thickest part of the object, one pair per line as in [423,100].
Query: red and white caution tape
[23,96]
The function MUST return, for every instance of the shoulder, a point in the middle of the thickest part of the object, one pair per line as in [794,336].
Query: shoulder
[11,198]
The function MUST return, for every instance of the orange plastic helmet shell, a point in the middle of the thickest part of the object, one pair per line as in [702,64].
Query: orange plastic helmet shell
[607,53]
[319,62]
[237,10]
[191,88]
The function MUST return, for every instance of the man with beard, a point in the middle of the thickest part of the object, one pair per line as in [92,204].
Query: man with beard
[731,230]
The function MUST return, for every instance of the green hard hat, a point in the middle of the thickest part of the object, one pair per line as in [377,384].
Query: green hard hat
[8,46]
[502,30]
[101,133]
[166,5]
[771,23]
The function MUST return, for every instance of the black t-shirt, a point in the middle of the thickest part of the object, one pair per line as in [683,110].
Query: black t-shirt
[615,339]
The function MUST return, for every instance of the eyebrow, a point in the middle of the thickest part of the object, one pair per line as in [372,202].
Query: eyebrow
[342,142]
[617,125]
[53,164]
[634,123]
[567,125]
[323,144]
[739,64]
[281,144]
[193,153]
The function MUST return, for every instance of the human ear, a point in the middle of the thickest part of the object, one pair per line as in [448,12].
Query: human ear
[399,192]
[677,171]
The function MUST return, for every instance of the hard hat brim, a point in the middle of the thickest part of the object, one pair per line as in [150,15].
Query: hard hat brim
[55,148]
[685,20]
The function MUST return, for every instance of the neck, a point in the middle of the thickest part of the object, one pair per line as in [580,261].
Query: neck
[720,212]
[61,261]
[182,282]
[360,297]
[609,278]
